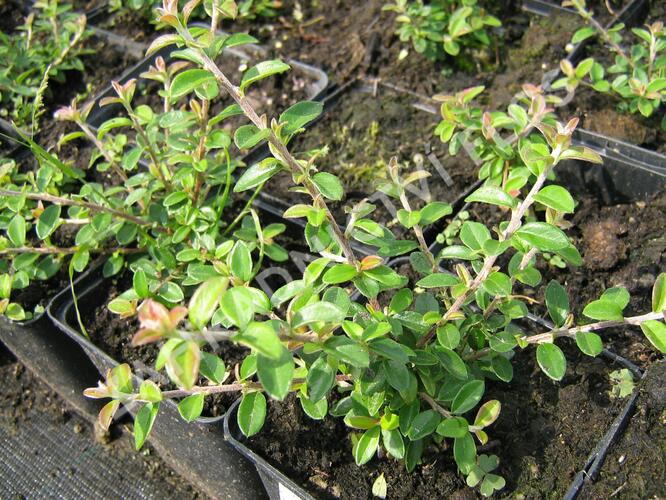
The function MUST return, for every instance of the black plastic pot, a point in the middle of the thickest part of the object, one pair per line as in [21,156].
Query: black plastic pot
[195,450]
[57,361]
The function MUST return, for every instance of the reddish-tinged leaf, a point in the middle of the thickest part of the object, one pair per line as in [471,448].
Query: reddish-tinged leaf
[106,414]
[146,336]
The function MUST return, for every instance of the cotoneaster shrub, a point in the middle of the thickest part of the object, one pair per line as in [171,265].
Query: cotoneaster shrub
[410,367]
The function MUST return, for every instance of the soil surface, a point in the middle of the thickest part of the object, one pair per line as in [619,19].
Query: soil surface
[636,465]
[543,436]
[24,398]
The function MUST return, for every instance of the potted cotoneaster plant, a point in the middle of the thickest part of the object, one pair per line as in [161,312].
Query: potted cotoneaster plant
[621,86]
[353,338]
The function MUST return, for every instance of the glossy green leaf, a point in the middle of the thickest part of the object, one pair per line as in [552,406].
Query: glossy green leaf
[204,301]
[655,332]
[552,361]
[340,273]
[262,70]
[424,424]
[300,114]
[493,196]
[367,446]
[248,136]
[257,174]
[212,367]
[603,310]
[191,407]
[320,379]
[589,343]
[437,280]
[189,80]
[659,294]
[262,338]
[329,185]
[545,237]
[143,423]
[48,221]
[468,396]
[276,374]
[325,312]
[557,302]
[454,427]
[251,413]
[16,230]
[240,261]
[557,198]
[237,304]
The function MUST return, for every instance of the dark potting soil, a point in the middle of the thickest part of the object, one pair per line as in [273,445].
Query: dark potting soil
[129,24]
[24,399]
[10,17]
[543,436]
[636,464]
[599,112]
[363,132]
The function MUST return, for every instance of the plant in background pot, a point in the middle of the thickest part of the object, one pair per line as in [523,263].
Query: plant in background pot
[443,27]
[408,367]
[46,46]
[158,196]
[639,72]
[247,9]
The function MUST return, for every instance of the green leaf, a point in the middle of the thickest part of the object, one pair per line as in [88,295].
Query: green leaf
[248,136]
[189,80]
[617,295]
[423,425]
[434,211]
[140,284]
[589,343]
[488,413]
[458,252]
[237,304]
[468,396]
[437,280]
[329,185]
[557,302]
[583,34]
[171,292]
[394,443]
[240,261]
[212,367]
[204,301]
[16,230]
[545,237]
[552,361]
[493,196]
[340,273]
[397,375]
[316,410]
[48,221]
[401,300]
[367,446]
[191,407]
[347,351]
[143,423]
[603,310]
[325,312]
[448,336]
[300,114]
[390,349]
[474,235]
[263,338]
[655,331]
[659,294]
[257,174]
[150,392]
[251,413]
[262,70]
[464,452]
[557,198]
[276,374]
[320,379]
[455,427]
[497,284]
